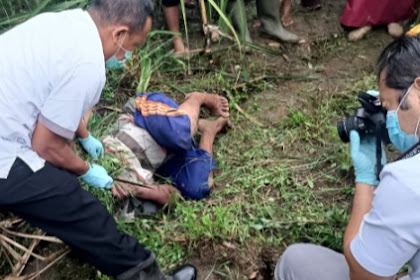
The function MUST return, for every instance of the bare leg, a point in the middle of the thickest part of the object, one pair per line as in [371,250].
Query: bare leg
[209,129]
[172,19]
[285,10]
[217,105]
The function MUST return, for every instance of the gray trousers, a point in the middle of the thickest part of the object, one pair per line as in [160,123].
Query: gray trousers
[311,262]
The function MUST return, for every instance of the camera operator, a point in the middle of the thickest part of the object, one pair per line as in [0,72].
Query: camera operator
[383,233]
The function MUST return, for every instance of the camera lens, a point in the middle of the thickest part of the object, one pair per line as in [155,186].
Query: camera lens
[345,126]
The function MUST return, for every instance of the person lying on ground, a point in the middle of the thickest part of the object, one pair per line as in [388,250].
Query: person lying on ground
[383,233]
[155,135]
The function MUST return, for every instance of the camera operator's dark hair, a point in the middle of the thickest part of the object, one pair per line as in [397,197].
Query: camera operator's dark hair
[400,61]
[132,13]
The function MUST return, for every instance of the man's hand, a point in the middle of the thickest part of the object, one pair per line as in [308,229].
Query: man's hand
[97,177]
[92,146]
[363,155]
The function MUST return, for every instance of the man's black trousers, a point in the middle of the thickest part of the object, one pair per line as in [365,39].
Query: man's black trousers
[53,200]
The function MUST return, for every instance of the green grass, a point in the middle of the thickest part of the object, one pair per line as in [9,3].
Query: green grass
[281,183]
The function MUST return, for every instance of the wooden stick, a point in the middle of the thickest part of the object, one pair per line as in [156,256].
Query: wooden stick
[10,250]
[31,236]
[108,108]
[50,264]
[7,256]
[19,267]
[17,245]
[9,222]
[132,183]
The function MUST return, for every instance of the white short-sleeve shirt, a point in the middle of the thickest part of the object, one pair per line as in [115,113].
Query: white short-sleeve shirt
[52,70]
[389,236]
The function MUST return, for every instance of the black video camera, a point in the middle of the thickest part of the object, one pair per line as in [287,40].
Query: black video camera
[369,119]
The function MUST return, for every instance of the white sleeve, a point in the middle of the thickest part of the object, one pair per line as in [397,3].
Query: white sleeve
[70,98]
[389,234]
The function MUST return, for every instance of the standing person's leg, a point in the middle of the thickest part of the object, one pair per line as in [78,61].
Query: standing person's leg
[53,200]
[171,11]
[311,262]
[268,13]
[218,106]
[236,9]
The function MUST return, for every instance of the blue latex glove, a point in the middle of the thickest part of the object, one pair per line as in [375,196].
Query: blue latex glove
[363,155]
[372,92]
[97,177]
[92,146]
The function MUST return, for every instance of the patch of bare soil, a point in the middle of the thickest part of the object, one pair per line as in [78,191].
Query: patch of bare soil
[247,259]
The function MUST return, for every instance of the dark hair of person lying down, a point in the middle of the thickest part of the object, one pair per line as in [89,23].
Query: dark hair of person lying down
[132,13]
[400,61]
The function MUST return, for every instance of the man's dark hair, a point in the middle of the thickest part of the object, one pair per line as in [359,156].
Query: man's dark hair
[400,62]
[132,13]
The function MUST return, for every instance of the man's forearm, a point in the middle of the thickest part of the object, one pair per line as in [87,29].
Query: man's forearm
[82,131]
[64,157]
[362,204]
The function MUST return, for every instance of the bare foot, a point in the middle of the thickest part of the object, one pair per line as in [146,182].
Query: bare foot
[286,20]
[395,30]
[179,47]
[213,126]
[218,105]
[359,33]
[286,17]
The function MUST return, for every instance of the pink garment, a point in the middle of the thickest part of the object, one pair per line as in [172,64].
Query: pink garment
[359,13]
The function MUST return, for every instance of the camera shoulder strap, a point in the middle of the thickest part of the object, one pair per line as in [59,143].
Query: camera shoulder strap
[411,152]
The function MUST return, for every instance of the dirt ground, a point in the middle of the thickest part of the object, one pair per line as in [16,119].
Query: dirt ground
[338,63]
[335,63]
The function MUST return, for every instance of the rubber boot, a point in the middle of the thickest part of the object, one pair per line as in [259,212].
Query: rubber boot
[150,270]
[236,9]
[268,13]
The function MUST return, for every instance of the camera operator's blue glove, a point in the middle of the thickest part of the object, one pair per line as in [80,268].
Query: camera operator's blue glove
[363,155]
[97,177]
[92,146]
